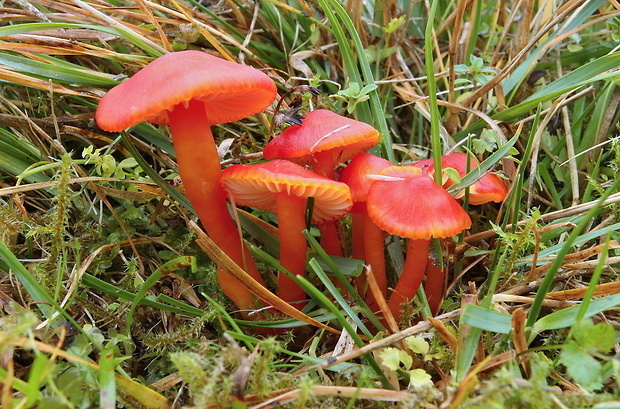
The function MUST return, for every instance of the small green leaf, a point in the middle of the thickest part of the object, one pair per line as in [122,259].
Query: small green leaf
[393,358]
[418,345]
[419,377]
[394,24]
[582,367]
[599,337]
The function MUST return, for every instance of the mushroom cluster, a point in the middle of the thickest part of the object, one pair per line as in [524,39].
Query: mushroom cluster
[324,159]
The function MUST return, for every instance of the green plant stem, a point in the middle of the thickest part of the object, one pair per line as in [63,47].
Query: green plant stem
[436,146]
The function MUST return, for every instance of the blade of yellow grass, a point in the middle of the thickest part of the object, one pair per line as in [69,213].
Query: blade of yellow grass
[207,31]
[207,35]
[149,14]
[43,85]
[117,24]
[338,391]
[575,293]
[254,286]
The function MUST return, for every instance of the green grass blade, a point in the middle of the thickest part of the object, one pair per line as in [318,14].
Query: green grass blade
[322,300]
[567,246]
[480,317]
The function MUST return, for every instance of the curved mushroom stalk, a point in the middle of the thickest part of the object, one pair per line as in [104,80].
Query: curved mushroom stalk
[434,285]
[199,168]
[411,276]
[291,212]
[374,254]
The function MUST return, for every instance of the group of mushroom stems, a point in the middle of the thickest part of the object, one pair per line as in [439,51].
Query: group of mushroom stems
[325,158]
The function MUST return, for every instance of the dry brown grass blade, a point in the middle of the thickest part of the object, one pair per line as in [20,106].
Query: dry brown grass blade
[572,258]
[374,289]
[10,76]
[335,391]
[518,337]
[420,327]
[576,293]
[443,332]
[547,217]
[144,8]
[222,259]
[520,299]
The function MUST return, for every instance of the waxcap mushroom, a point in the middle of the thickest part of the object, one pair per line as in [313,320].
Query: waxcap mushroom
[190,91]
[229,91]
[323,140]
[283,188]
[489,188]
[405,202]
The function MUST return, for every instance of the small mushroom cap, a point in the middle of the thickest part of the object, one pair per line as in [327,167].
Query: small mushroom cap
[255,186]
[489,188]
[229,91]
[356,172]
[322,130]
[412,205]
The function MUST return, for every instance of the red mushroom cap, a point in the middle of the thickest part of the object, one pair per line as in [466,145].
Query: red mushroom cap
[321,131]
[229,91]
[356,172]
[410,204]
[255,186]
[489,188]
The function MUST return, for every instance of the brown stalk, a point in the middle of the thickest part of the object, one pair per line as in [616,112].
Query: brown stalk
[335,391]
[558,214]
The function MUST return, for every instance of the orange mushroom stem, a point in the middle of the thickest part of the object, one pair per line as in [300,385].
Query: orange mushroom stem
[190,91]
[405,202]
[367,237]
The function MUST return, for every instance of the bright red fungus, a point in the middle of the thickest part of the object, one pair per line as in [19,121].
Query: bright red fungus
[322,141]
[283,187]
[190,91]
[409,204]
[489,188]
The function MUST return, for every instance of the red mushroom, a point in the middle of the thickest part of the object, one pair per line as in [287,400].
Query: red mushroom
[323,140]
[409,204]
[190,91]
[366,236]
[489,188]
[283,188]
